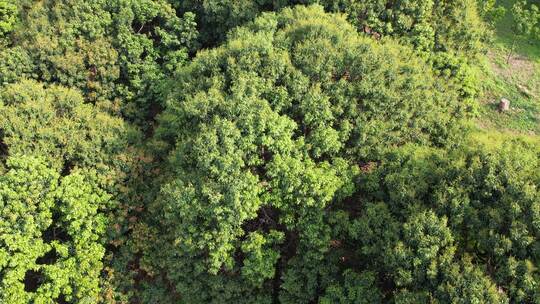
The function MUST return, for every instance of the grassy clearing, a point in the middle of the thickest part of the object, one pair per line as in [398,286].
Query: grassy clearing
[515,77]
[494,139]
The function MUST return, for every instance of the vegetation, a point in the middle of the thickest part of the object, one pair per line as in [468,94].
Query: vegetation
[511,70]
[59,156]
[246,151]
[527,17]
[8,17]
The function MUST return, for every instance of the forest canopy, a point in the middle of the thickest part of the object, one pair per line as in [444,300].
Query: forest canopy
[304,151]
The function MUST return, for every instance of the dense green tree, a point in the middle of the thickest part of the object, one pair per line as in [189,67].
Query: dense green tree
[15,64]
[50,234]
[262,135]
[438,25]
[216,18]
[488,197]
[464,282]
[55,196]
[313,154]
[356,288]
[343,93]
[55,123]
[115,52]
[8,16]
[434,25]
[449,34]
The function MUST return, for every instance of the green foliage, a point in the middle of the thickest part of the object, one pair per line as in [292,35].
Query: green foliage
[436,25]
[407,19]
[328,94]
[50,231]
[216,17]
[55,123]
[356,288]
[15,64]
[151,41]
[449,34]
[466,283]
[489,199]
[260,260]
[527,18]
[53,211]
[117,53]
[8,16]
[264,133]
[491,11]
[426,247]
[27,195]
[315,154]
[66,45]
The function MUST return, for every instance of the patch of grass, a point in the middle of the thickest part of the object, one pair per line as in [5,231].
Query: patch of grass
[515,77]
[493,139]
